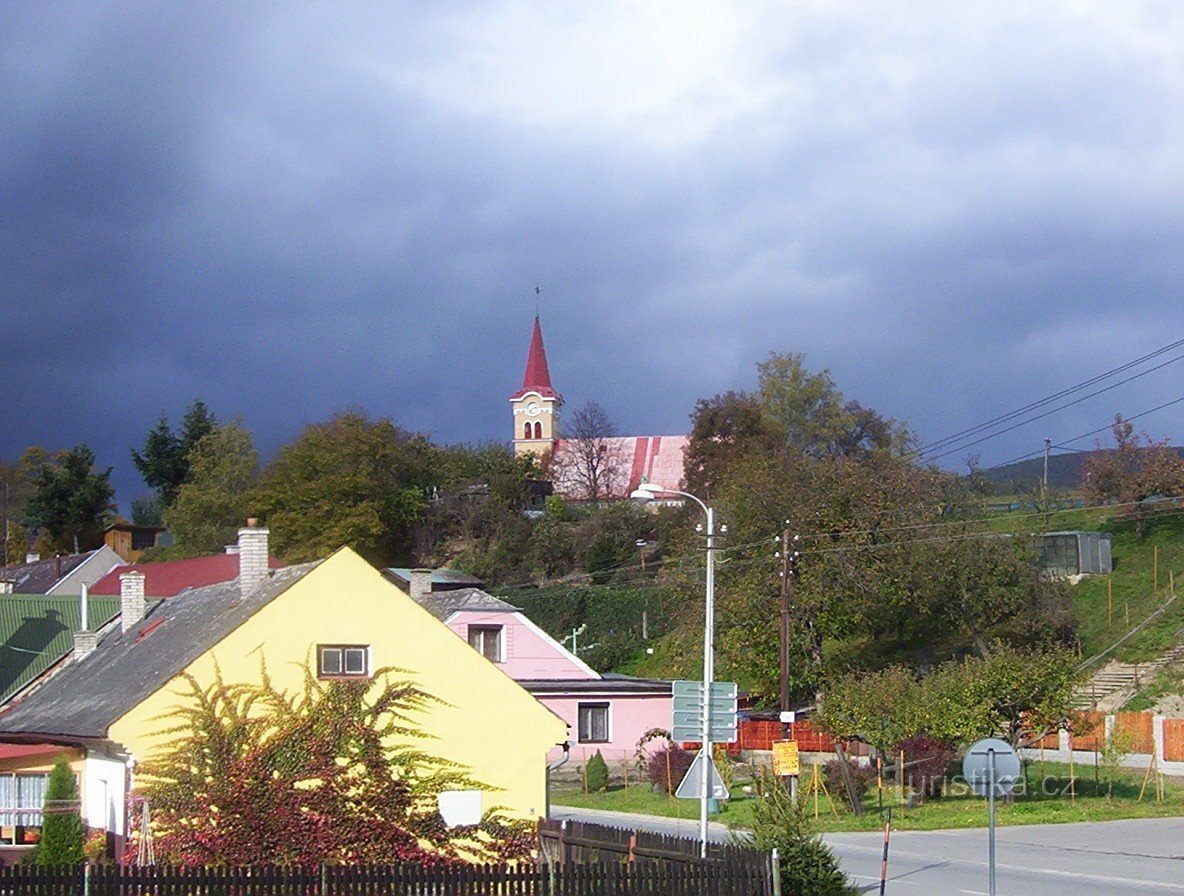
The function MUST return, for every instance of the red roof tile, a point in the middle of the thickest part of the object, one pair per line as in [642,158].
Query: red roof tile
[170,577]
[537,377]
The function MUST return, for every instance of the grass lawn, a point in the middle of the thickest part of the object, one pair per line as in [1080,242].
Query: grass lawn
[1041,805]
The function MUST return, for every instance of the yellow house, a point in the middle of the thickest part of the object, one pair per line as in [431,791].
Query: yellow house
[340,614]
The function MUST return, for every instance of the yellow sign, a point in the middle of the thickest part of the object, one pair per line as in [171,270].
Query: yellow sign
[785,758]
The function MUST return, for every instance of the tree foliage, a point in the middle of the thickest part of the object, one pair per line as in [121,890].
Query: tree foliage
[164,461]
[348,481]
[1015,693]
[254,775]
[215,500]
[72,501]
[1133,472]
[62,831]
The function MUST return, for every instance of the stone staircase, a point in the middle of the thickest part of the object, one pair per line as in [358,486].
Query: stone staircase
[1115,683]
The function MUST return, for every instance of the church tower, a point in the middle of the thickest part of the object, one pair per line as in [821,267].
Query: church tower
[536,405]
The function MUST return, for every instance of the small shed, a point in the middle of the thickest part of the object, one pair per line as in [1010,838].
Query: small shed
[1065,554]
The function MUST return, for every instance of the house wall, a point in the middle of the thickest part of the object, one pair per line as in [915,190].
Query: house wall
[94,568]
[487,723]
[629,718]
[528,651]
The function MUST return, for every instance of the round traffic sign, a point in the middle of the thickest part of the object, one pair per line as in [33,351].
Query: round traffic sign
[977,766]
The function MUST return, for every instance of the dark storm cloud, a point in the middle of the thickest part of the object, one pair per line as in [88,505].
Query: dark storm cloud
[291,209]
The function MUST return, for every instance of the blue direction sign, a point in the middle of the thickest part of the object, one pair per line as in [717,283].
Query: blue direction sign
[687,723]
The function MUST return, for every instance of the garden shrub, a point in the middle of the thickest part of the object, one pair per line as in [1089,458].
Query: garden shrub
[926,761]
[667,767]
[863,776]
[808,868]
[596,774]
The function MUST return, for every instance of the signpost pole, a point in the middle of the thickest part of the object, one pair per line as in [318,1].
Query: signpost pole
[991,803]
[708,675]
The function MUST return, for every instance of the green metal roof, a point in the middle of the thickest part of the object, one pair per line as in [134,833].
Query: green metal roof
[36,630]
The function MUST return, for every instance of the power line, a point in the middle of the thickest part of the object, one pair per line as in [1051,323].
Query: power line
[1085,384]
[1062,407]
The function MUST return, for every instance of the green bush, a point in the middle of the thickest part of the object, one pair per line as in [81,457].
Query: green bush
[62,833]
[808,868]
[596,774]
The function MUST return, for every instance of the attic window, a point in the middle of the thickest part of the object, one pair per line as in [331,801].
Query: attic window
[343,661]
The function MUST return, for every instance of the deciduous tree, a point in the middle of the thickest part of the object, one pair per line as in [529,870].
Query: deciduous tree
[1133,472]
[590,464]
[215,500]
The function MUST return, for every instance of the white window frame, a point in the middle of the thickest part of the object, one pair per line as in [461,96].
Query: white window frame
[356,656]
[590,706]
[479,633]
[11,800]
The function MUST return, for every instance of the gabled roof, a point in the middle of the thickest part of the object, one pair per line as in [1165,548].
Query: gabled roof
[170,577]
[82,700]
[537,377]
[443,604]
[37,630]
[41,575]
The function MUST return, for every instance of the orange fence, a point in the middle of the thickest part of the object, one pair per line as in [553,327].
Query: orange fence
[1173,740]
[1093,726]
[1139,727]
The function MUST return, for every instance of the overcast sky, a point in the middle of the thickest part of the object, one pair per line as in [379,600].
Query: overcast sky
[291,209]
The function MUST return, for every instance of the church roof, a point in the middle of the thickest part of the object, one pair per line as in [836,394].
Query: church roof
[654,459]
[537,377]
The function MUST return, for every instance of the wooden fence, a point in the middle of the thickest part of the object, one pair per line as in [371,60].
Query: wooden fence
[1173,740]
[699,878]
[576,859]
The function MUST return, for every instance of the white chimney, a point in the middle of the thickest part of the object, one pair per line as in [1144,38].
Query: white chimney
[421,583]
[131,599]
[252,557]
[7,586]
[32,557]
[85,644]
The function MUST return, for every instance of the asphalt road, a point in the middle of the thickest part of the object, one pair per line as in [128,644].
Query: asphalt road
[1102,859]
[1111,858]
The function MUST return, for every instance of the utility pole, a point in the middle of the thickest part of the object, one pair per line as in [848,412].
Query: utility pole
[1044,481]
[789,572]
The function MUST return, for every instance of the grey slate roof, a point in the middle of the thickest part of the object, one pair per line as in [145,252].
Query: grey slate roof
[441,580]
[443,604]
[87,696]
[609,683]
[38,577]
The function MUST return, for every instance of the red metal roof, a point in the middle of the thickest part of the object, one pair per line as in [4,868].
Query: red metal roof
[537,377]
[170,577]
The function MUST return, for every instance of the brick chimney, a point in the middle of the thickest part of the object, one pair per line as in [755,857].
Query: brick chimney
[131,599]
[252,557]
[85,644]
[421,583]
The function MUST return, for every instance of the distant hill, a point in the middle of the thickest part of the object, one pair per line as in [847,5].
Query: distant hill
[1064,472]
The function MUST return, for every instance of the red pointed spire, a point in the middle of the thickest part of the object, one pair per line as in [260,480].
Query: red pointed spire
[537,377]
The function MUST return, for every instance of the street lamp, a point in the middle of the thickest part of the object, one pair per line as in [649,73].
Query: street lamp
[645,493]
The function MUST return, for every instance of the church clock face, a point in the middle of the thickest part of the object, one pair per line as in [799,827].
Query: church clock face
[533,409]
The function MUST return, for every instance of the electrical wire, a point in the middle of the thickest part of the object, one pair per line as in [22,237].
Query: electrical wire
[1085,384]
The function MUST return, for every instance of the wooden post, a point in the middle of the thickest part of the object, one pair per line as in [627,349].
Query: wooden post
[1155,568]
[1109,601]
[1072,789]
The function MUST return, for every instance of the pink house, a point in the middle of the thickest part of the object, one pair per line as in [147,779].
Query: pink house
[608,712]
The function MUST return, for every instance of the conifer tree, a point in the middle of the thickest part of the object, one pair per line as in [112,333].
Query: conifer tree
[62,832]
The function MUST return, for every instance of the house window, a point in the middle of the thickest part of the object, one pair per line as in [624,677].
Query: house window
[487,641]
[343,661]
[21,799]
[594,723]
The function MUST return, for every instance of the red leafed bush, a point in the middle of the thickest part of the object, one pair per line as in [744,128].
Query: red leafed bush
[926,760]
[668,766]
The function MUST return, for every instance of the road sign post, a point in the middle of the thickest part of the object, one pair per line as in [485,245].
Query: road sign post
[991,768]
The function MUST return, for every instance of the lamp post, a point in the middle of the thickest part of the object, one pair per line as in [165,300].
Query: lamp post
[645,493]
